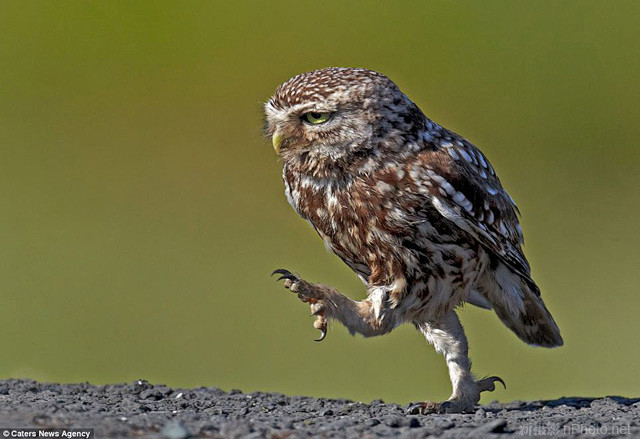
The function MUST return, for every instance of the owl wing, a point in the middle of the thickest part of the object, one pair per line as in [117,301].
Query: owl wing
[465,189]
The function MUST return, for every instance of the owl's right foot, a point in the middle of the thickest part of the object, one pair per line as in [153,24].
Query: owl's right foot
[464,403]
[307,293]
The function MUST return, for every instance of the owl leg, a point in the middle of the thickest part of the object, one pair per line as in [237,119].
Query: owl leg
[448,338]
[368,317]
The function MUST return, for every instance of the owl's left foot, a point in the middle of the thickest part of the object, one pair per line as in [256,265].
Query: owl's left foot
[457,404]
[307,293]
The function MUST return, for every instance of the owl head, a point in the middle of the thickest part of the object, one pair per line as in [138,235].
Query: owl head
[333,114]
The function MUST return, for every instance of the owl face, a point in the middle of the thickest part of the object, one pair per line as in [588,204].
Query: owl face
[331,113]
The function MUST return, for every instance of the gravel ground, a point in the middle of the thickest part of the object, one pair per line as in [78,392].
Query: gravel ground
[140,409]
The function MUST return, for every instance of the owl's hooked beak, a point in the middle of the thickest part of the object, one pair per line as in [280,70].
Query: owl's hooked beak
[276,141]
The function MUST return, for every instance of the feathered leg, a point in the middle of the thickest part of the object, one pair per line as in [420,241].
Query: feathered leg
[369,317]
[448,338]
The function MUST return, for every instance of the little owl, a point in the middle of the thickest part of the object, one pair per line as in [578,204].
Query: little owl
[415,210]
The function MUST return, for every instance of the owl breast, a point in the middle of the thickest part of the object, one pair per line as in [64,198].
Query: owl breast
[382,229]
[349,215]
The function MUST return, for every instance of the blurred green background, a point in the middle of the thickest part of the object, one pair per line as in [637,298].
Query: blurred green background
[142,211]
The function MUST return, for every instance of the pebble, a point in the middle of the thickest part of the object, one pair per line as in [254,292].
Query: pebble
[175,430]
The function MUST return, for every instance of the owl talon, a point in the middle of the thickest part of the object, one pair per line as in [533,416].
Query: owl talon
[321,324]
[489,384]
[459,404]
[286,274]
[430,407]
[422,408]
[307,293]
[323,334]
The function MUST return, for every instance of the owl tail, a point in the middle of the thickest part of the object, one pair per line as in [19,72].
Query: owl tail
[518,303]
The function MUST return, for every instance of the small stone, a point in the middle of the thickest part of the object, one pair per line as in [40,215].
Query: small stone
[496,426]
[448,425]
[414,423]
[393,422]
[151,394]
[372,422]
[141,385]
[41,419]
[175,430]
[208,430]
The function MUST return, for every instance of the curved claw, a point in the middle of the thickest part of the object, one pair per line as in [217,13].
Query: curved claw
[323,334]
[321,324]
[498,379]
[488,384]
[286,274]
[422,408]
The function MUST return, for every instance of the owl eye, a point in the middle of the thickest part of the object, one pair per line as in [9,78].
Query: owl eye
[316,118]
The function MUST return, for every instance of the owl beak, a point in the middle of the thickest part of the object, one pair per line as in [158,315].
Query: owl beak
[276,141]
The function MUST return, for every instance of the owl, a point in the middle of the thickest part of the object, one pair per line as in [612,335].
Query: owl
[415,210]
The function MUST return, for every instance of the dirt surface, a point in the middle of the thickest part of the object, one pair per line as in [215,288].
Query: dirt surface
[140,409]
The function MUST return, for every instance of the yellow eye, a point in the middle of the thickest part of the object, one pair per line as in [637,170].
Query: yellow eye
[316,118]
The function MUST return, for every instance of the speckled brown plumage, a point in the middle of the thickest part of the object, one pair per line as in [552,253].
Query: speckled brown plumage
[415,210]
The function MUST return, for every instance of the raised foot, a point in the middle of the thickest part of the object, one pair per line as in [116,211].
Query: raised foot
[457,404]
[307,293]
